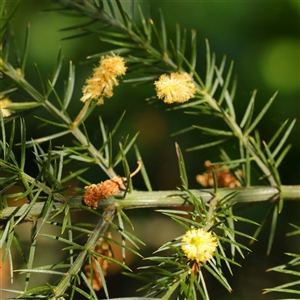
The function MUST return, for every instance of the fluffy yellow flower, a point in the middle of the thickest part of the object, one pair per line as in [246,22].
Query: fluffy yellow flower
[199,245]
[104,78]
[3,104]
[175,87]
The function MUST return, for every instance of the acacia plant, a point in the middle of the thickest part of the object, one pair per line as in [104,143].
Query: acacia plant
[180,267]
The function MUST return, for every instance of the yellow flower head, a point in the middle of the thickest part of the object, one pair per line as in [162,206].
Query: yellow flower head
[199,245]
[3,104]
[104,78]
[175,87]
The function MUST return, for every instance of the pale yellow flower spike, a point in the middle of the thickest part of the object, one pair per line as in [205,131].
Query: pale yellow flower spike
[199,245]
[3,104]
[104,78]
[175,87]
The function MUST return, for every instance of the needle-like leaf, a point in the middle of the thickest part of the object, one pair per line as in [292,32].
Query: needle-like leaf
[260,115]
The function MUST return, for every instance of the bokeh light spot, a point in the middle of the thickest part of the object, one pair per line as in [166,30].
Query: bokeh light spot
[280,65]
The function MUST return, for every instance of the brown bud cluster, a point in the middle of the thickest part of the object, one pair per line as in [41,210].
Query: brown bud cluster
[223,176]
[102,248]
[95,192]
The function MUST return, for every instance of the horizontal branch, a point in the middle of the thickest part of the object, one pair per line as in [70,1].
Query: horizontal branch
[142,199]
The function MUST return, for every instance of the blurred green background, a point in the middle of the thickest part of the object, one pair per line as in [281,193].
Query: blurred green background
[263,40]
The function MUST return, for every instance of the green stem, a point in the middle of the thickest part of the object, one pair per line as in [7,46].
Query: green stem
[82,112]
[244,140]
[99,230]
[140,199]
[140,41]
[60,115]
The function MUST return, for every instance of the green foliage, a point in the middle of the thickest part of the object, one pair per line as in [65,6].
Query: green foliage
[44,195]
[290,268]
